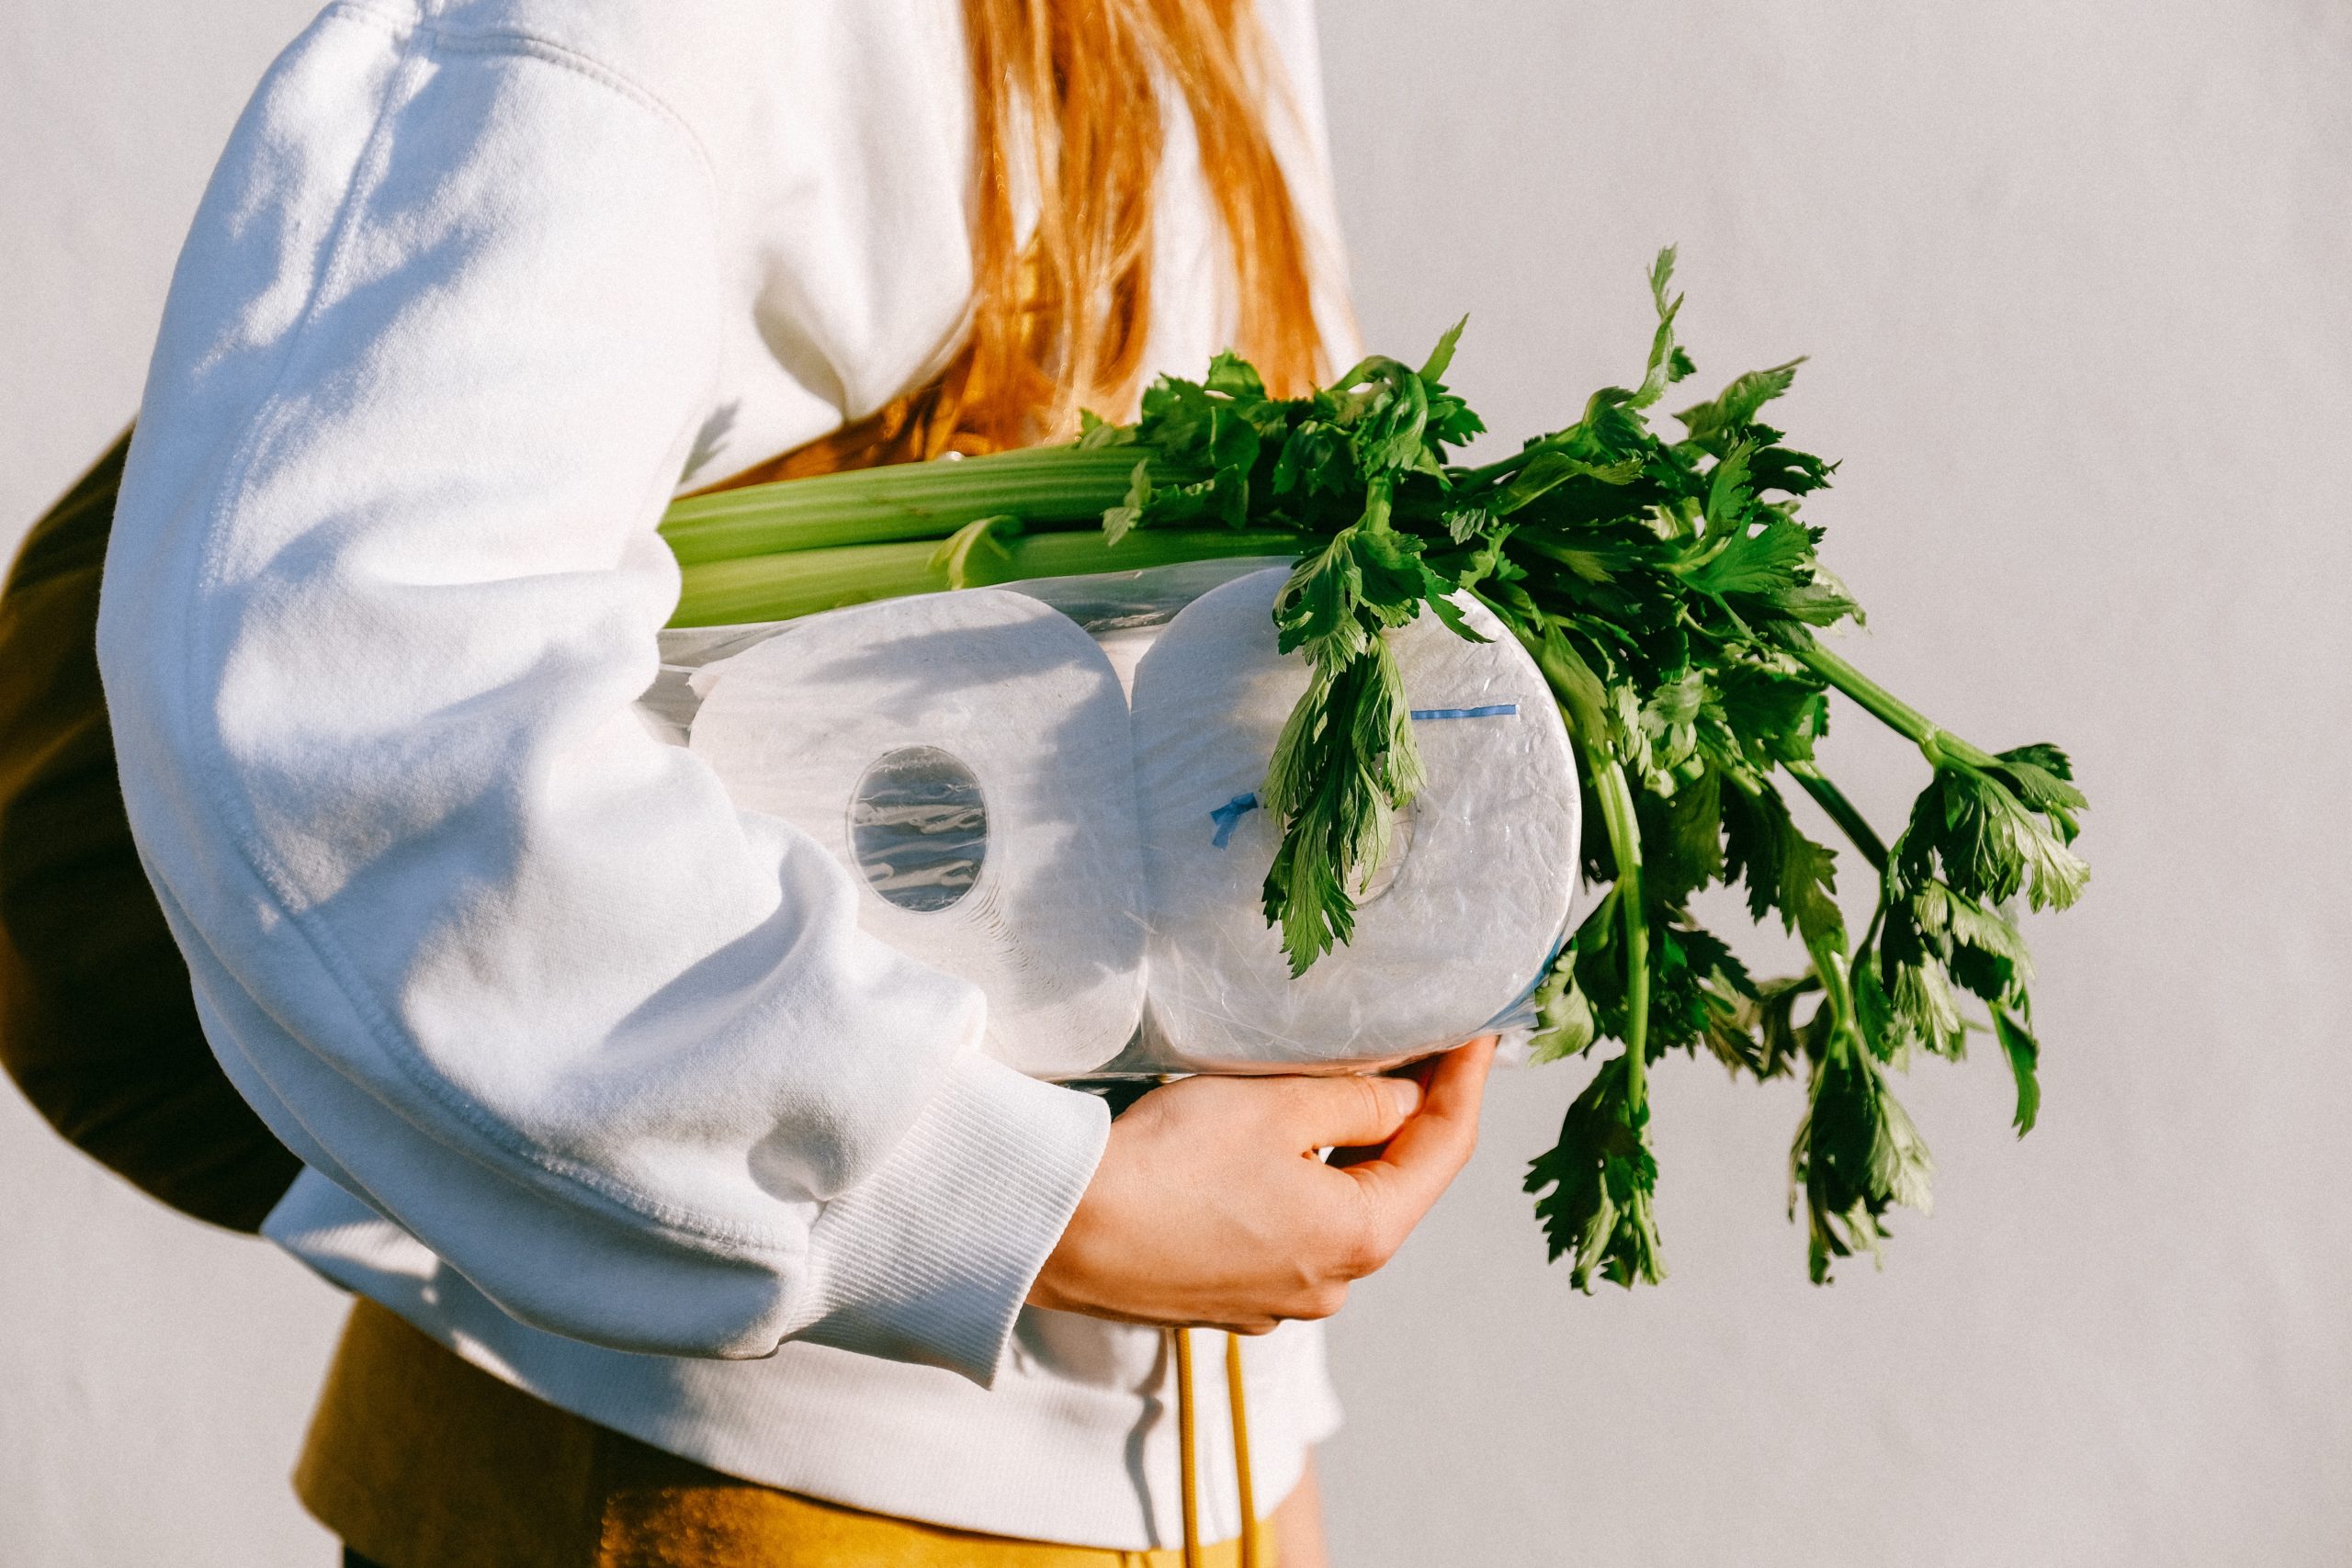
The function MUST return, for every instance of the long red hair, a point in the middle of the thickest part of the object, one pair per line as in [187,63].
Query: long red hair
[1068,104]
[1067,107]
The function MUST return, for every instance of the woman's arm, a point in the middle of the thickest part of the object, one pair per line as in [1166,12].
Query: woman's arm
[383,585]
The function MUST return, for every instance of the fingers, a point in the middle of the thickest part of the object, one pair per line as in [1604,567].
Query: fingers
[1203,1211]
[1430,1149]
[1324,1113]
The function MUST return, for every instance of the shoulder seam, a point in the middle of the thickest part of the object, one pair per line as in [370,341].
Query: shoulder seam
[563,57]
[441,37]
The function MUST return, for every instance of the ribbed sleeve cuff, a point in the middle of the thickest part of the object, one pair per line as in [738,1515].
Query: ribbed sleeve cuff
[928,1259]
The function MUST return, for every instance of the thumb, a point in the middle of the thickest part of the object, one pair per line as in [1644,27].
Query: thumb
[1348,1111]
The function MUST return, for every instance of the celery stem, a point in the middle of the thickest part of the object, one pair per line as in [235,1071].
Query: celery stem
[801,583]
[1625,845]
[1939,746]
[1842,811]
[1517,460]
[906,501]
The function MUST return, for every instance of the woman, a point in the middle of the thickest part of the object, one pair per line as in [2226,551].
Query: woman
[689,1225]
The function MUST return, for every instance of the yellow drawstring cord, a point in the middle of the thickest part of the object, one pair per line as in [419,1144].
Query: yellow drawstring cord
[1188,1454]
[1240,1407]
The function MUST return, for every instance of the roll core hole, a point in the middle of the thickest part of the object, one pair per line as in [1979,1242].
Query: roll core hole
[919,828]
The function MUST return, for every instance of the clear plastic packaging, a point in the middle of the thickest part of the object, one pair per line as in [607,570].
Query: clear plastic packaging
[1070,821]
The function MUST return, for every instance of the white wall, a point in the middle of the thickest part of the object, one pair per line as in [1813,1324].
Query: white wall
[2075,279]
[2073,282]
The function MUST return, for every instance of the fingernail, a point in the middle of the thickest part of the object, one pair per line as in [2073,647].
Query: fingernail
[1404,1095]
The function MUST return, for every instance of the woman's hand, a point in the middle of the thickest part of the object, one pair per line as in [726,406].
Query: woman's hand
[1210,1207]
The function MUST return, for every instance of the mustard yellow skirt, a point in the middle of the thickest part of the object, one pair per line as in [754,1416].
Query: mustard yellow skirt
[419,1459]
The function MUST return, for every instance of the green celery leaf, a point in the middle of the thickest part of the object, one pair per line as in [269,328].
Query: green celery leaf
[1467,521]
[2043,778]
[1389,574]
[1433,368]
[1548,470]
[1700,993]
[2025,1059]
[985,535]
[1771,562]
[1094,433]
[1667,363]
[1566,1023]
[1236,377]
[1315,461]
[1857,1155]
[1728,495]
[1783,869]
[1991,846]
[1595,1187]
[1317,607]
[1715,425]
[1121,519]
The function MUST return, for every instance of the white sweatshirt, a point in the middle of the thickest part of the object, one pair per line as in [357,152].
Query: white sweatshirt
[596,1078]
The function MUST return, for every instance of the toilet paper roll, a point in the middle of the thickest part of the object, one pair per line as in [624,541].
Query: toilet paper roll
[1454,930]
[967,756]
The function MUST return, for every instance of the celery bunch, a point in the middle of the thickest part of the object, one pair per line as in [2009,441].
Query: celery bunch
[1672,598]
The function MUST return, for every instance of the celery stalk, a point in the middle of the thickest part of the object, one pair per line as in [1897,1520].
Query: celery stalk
[800,582]
[907,501]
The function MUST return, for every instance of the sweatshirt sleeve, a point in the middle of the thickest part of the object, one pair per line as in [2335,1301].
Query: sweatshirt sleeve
[384,583]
